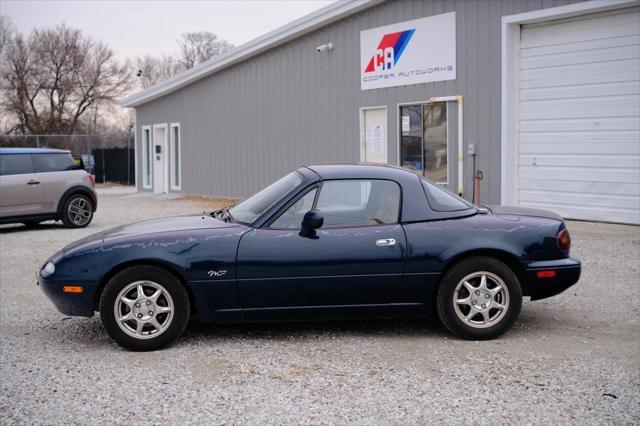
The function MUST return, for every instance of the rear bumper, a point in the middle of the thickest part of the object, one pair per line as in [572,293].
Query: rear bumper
[73,304]
[567,273]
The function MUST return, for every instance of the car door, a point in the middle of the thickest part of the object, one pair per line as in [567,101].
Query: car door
[20,189]
[56,174]
[351,266]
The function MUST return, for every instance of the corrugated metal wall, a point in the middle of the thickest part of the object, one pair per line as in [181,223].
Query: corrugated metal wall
[247,125]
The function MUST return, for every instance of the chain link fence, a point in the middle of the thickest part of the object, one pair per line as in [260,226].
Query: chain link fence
[110,157]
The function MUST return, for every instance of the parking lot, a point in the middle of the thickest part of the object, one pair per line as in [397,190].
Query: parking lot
[574,358]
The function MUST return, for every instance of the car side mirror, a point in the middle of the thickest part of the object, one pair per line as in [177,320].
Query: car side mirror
[312,220]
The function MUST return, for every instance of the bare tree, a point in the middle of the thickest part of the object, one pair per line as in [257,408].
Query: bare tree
[152,69]
[200,46]
[52,77]
[6,32]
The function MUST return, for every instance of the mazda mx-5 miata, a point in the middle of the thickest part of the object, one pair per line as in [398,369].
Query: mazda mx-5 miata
[323,242]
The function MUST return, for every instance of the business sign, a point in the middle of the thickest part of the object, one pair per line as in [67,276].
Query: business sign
[411,52]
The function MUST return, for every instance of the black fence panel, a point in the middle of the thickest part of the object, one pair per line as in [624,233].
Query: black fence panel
[115,165]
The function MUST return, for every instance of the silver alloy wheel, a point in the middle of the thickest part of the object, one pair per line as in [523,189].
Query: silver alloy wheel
[481,299]
[143,309]
[79,211]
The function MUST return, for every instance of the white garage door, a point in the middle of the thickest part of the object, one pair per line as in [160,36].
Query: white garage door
[579,117]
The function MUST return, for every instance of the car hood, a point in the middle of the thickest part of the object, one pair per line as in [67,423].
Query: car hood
[152,226]
[522,211]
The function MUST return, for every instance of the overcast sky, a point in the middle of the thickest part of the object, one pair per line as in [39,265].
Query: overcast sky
[133,28]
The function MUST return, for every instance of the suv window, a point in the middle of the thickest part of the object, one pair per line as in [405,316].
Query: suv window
[359,202]
[54,162]
[15,164]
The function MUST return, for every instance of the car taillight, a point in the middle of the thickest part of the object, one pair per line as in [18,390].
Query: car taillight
[564,240]
[92,180]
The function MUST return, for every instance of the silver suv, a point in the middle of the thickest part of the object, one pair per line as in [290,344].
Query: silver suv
[38,184]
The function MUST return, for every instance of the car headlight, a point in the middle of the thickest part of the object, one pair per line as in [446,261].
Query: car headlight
[47,270]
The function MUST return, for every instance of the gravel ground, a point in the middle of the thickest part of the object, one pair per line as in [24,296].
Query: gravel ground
[572,359]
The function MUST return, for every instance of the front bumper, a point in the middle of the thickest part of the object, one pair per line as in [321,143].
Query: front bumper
[567,273]
[73,304]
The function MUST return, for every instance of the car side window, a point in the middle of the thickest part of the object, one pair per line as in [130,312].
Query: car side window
[346,203]
[54,162]
[15,164]
[292,217]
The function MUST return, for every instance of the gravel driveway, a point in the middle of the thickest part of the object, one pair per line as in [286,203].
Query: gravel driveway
[574,358]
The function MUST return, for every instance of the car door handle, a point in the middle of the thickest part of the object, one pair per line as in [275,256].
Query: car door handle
[386,242]
[33,182]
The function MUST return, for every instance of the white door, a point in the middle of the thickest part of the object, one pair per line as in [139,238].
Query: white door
[160,153]
[579,116]
[373,146]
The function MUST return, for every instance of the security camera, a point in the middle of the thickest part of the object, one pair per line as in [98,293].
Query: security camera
[139,73]
[324,47]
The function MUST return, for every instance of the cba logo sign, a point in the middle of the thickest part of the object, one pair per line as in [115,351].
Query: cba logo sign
[389,51]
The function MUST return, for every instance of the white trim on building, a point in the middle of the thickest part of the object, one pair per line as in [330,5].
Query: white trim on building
[175,157]
[147,158]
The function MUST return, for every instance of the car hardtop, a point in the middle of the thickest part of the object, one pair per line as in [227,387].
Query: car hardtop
[4,151]
[361,171]
[415,206]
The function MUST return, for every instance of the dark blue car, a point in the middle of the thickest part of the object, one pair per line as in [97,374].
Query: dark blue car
[323,242]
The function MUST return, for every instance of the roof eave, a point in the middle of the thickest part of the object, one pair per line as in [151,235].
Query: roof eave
[284,34]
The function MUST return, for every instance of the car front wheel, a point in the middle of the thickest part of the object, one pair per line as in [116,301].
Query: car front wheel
[480,298]
[144,308]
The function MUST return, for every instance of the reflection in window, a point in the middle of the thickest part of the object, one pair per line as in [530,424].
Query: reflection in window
[292,217]
[423,140]
[345,203]
[15,164]
[435,141]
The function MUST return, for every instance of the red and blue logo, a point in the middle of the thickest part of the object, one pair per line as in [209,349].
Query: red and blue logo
[389,51]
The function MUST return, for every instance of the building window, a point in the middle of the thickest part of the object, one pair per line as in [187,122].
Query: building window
[146,156]
[175,158]
[424,140]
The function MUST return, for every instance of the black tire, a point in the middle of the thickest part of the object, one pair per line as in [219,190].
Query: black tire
[446,304]
[70,220]
[157,275]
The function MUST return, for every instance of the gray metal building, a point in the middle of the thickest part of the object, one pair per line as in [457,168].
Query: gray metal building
[545,92]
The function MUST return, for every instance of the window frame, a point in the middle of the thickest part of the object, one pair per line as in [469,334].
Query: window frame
[172,160]
[320,185]
[147,169]
[399,135]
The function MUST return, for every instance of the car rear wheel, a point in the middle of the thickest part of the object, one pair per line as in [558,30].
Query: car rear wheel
[480,298]
[144,308]
[77,211]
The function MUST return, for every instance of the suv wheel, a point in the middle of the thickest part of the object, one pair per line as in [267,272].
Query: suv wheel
[480,298]
[77,211]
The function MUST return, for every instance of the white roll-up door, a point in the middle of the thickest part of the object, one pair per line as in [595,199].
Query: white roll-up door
[579,116]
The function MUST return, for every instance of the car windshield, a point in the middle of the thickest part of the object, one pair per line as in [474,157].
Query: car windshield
[252,208]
